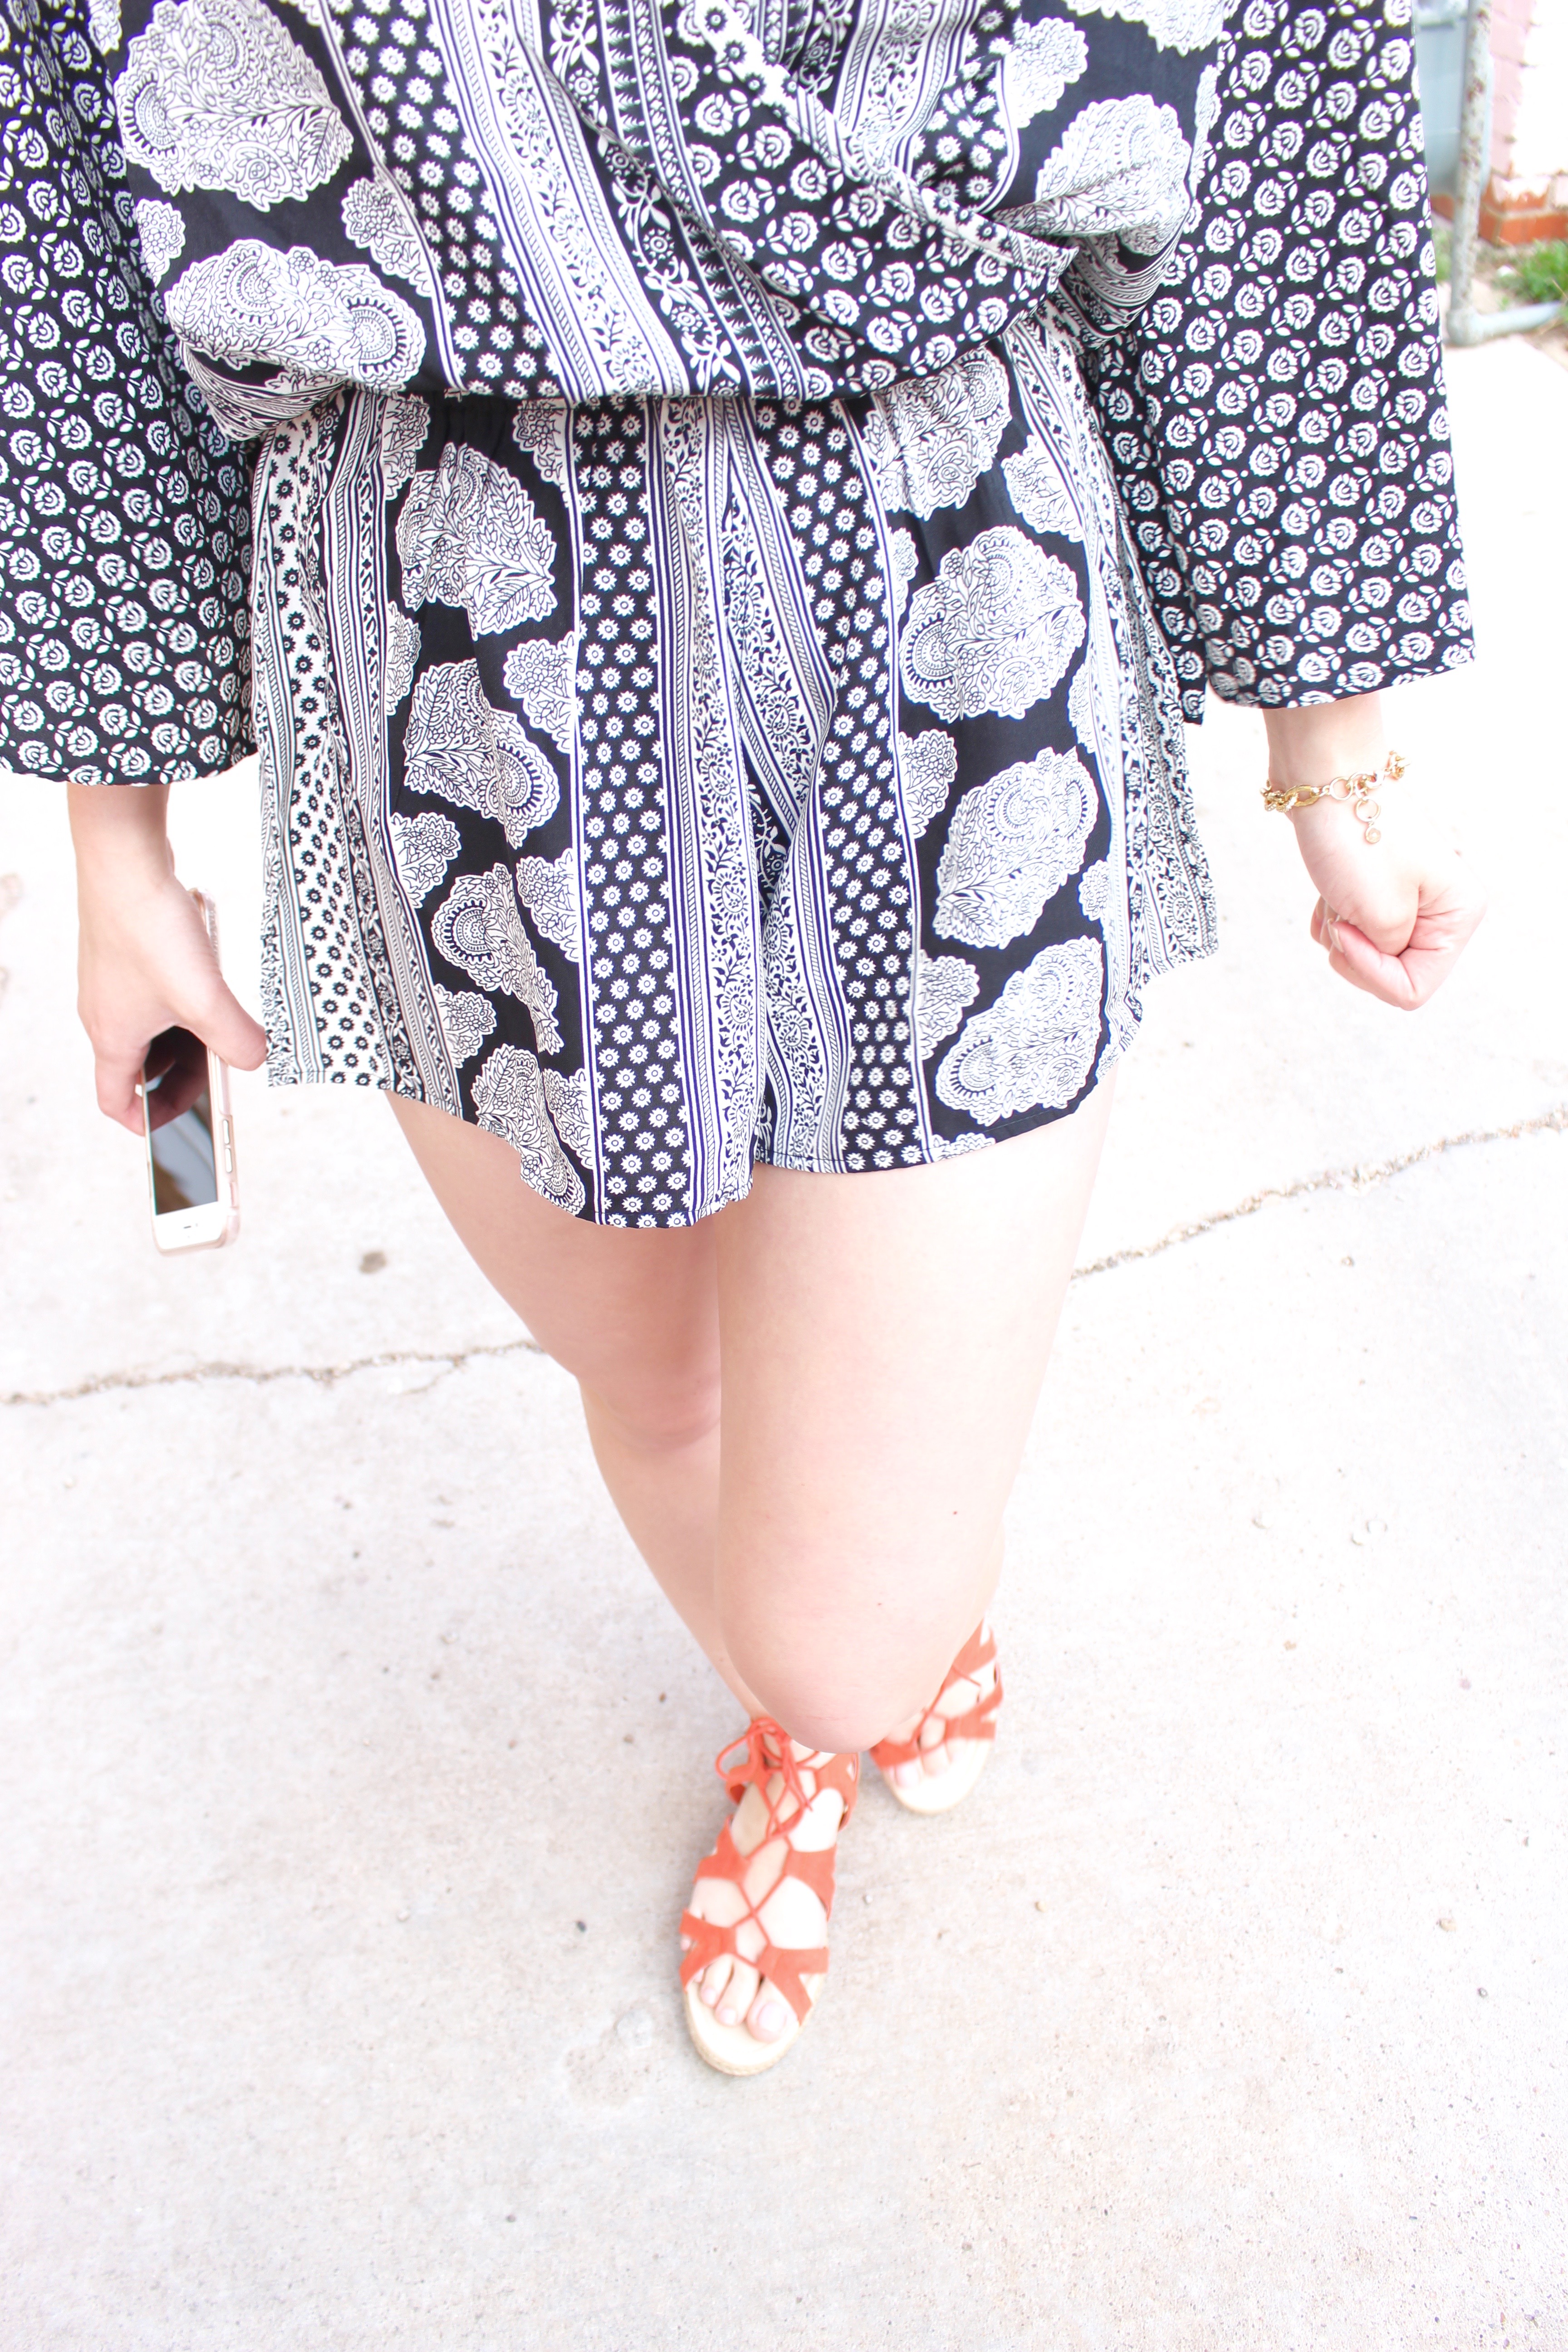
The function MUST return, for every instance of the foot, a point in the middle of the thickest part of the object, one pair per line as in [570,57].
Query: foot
[767,1904]
[972,1690]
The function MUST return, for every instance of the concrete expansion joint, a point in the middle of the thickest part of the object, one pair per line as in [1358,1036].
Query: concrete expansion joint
[1360,1177]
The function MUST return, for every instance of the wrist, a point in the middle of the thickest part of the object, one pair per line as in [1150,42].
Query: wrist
[1307,746]
[120,834]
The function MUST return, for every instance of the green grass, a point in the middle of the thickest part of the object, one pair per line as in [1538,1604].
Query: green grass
[1538,273]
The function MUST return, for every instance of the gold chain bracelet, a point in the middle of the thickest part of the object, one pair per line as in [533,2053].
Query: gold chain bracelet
[1357,790]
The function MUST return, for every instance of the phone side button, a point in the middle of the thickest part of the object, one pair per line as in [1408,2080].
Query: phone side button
[228,1160]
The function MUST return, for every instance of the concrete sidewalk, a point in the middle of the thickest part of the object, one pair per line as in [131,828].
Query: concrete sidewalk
[354,1772]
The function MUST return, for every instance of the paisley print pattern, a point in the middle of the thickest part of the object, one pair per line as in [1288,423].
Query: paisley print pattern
[467,535]
[628,199]
[1038,1044]
[323,322]
[1040,62]
[510,1101]
[374,215]
[162,236]
[931,438]
[710,704]
[216,94]
[466,1020]
[478,928]
[474,756]
[1121,169]
[994,631]
[425,847]
[1170,23]
[1012,844]
[679,884]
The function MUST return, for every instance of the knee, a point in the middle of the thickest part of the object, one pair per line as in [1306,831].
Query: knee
[660,1412]
[843,1696]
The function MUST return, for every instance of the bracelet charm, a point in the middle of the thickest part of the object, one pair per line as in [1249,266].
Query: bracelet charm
[1359,791]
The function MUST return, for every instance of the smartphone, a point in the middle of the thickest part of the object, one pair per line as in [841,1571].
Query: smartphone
[192,1178]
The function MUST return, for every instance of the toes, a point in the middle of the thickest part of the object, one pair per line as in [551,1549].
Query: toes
[935,1759]
[715,1977]
[769,2015]
[908,1776]
[738,1994]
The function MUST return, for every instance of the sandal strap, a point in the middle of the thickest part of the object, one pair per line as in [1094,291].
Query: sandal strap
[784,1969]
[816,1869]
[770,1753]
[979,1651]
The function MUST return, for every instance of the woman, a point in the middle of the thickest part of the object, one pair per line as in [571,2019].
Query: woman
[718,751]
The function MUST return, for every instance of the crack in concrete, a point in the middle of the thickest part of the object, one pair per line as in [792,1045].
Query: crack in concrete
[1358,1177]
[325,1376]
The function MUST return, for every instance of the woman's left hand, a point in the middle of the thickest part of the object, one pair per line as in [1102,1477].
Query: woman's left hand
[1394,913]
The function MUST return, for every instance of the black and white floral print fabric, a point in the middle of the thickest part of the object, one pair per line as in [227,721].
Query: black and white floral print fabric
[669,784]
[1274,415]
[1277,415]
[600,198]
[709,705]
[123,516]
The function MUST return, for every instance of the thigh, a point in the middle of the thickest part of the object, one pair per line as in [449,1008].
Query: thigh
[631,1314]
[884,1340]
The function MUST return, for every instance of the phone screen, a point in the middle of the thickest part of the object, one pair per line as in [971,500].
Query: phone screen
[184,1158]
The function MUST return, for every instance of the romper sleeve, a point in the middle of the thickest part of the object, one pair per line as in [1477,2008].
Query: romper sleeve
[1277,416]
[125,515]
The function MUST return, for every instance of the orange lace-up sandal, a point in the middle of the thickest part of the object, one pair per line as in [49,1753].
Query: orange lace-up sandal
[794,1972]
[938,1793]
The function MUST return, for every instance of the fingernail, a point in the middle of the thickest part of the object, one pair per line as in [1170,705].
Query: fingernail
[770,2017]
[1331,931]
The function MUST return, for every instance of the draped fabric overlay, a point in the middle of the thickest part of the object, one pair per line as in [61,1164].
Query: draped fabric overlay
[123,540]
[1277,415]
[588,199]
[670,784]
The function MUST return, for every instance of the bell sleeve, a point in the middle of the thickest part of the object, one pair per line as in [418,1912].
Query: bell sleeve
[1276,416]
[124,515]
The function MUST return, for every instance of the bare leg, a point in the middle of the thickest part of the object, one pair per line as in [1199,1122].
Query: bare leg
[634,1317]
[883,1340]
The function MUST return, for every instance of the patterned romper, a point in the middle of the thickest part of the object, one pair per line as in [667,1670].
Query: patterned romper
[737,500]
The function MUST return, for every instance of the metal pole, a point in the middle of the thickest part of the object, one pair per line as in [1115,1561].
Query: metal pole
[1466,324]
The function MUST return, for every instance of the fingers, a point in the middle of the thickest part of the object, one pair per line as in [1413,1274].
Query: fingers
[181,1063]
[1443,923]
[1354,957]
[1411,977]
[116,1079]
[231,1033]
